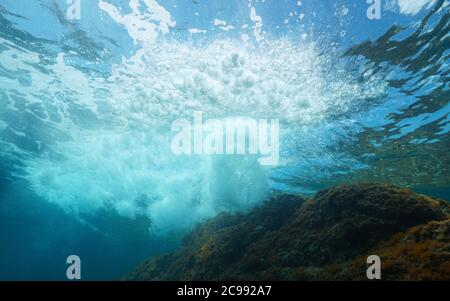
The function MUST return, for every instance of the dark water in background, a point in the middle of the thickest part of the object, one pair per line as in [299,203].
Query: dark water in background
[37,237]
[85,163]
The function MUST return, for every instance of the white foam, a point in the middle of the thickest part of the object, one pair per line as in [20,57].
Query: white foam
[410,7]
[130,167]
[125,162]
[143,27]
[196,30]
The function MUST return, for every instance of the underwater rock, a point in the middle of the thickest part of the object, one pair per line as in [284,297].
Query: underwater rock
[421,253]
[327,237]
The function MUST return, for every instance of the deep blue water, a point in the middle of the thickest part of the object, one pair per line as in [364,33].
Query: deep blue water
[87,99]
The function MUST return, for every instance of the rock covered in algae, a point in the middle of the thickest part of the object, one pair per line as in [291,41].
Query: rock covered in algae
[324,238]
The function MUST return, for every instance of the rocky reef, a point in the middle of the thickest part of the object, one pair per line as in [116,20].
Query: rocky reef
[327,237]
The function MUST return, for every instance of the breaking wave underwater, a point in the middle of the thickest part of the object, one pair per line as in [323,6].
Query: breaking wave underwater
[87,138]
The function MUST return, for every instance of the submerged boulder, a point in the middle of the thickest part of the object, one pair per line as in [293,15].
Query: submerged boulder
[326,237]
[421,253]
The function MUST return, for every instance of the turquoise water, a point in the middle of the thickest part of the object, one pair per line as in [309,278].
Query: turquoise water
[87,99]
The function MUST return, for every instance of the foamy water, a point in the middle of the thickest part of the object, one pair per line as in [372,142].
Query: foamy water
[123,159]
[87,141]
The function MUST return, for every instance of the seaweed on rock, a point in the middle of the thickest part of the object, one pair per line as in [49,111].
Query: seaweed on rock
[327,237]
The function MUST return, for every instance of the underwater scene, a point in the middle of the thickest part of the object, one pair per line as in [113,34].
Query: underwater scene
[224,140]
